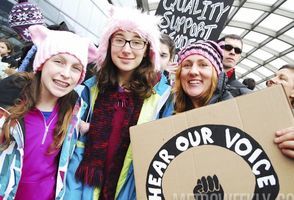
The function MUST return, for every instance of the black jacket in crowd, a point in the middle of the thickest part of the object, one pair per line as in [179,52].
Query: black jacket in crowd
[235,87]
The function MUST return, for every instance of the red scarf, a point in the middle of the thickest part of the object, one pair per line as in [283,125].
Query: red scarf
[91,169]
[230,72]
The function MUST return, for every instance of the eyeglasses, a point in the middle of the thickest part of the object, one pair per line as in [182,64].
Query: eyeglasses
[134,44]
[229,47]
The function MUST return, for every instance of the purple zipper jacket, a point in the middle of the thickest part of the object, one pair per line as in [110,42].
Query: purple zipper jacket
[39,157]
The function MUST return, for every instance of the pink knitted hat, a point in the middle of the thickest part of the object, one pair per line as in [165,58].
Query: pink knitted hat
[50,43]
[132,20]
[208,49]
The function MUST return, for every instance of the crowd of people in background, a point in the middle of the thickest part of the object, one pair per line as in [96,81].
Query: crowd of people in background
[69,137]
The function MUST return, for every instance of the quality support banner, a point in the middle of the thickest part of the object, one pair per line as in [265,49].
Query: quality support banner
[187,21]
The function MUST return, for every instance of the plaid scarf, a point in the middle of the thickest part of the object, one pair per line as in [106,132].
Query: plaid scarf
[91,169]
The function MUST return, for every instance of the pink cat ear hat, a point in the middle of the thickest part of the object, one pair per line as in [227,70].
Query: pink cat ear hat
[50,43]
[132,20]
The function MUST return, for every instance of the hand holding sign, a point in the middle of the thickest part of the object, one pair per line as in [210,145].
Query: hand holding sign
[208,188]
[285,141]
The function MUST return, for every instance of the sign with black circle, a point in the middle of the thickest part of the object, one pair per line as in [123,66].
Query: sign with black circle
[221,151]
[230,138]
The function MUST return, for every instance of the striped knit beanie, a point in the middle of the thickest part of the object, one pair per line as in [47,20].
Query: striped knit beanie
[208,49]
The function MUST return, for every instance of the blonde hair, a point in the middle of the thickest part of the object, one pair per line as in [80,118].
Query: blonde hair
[183,101]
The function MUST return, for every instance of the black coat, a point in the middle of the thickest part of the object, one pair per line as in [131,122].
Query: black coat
[11,61]
[235,87]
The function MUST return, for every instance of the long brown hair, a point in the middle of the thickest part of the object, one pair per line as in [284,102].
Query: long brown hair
[141,82]
[28,100]
[182,100]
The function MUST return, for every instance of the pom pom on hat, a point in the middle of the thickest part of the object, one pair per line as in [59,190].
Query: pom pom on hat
[208,49]
[22,16]
[132,20]
[50,43]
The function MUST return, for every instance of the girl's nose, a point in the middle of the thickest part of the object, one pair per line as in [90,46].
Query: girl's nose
[66,71]
[127,47]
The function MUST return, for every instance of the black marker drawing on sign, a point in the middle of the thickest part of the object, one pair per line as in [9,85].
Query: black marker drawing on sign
[208,188]
[187,21]
[230,138]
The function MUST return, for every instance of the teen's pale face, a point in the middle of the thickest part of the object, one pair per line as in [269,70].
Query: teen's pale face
[165,56]
[231,57]
[60,74]
[126,58]
[196,76]
[286,78]
[3,49]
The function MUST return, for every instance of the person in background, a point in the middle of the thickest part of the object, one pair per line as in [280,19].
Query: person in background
[167,54]
[39,131]
[128,89]
[249,83]
[285,137]
[232,47]
[8,62]
[200,79]
[6,52]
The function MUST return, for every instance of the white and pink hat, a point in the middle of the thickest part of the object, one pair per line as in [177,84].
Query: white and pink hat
[50,43]
[132,20]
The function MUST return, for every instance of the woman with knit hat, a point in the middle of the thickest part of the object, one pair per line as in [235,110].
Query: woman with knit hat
[39,131]
[127,90]
[200,79]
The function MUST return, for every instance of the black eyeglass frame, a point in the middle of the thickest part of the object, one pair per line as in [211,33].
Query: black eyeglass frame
[130,43]
[229,47]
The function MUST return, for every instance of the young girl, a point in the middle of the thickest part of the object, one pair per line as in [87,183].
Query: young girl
[127,90]
[38,133]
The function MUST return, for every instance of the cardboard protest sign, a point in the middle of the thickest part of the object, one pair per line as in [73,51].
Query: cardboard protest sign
[187,21]
[220,151]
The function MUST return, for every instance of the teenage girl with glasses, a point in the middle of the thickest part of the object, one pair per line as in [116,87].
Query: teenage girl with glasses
[127,90]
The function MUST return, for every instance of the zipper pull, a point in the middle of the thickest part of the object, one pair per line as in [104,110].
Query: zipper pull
[45,134]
